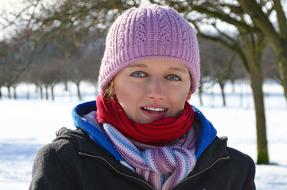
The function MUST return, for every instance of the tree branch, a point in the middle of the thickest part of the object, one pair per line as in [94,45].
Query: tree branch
[261,20]
[224,17]
[281,18]
[224,35]
[233,45]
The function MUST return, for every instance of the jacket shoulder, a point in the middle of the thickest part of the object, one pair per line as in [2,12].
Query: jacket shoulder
[245,164]
[69,142]
[66,140]
[56,164]
[240,157]
[235,154]
[239,166]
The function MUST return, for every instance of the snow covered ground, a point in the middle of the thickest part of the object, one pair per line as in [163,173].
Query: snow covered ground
[25,125]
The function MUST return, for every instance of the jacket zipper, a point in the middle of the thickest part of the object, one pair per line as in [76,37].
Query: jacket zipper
[116,170]
[202,171]
[137,179]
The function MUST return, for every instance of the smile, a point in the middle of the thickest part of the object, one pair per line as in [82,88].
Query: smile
[154,109]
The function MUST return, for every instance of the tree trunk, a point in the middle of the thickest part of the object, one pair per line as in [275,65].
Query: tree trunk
[52,92]
[282,66]
[66,85]
[258,98]
[222,85]
[255,72]
[46,92]
[200,94]
[253,53]
[9,92]
[41,92]
[14,93]
[79,90]
[233,86]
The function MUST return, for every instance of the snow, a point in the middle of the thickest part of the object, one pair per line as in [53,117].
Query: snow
[26,125]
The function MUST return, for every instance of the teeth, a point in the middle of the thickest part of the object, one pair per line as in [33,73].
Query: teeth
[154,109]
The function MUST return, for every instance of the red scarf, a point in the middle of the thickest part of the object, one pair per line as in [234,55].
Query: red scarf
[159,132]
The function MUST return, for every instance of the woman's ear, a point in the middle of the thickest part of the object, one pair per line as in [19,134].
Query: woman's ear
[188,95]
[190,91]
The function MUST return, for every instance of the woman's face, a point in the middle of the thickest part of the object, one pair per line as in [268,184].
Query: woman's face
[153,88]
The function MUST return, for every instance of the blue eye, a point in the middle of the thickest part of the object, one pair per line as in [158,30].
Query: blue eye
[138,74]
[173,77]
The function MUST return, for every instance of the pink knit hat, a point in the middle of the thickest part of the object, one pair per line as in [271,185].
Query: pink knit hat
[153,31]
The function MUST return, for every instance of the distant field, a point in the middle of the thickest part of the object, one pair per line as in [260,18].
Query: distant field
[26,125]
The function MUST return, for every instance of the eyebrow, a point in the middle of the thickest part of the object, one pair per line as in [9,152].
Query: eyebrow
[137,65]
[178,69]
[170,68]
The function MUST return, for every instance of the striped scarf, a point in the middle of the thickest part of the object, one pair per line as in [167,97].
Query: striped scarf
[161,166]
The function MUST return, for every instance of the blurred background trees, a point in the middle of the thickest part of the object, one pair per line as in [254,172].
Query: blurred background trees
[63,41]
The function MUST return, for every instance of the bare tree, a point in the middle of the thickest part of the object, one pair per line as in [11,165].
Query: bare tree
[66,24]
[248,44]
[12,63]
[217,63]
[270,69]
[276,33]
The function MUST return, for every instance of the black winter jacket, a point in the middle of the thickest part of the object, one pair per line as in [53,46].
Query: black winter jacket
[74,162]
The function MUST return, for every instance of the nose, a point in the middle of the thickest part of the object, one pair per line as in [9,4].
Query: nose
[156,89]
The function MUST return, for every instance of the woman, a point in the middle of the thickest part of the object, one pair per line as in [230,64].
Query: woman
[141,133]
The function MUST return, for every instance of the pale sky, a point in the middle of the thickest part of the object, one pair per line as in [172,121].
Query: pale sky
[10,6]
[14,5]
[5,7]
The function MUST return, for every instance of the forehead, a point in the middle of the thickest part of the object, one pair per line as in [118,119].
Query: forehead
[160,62]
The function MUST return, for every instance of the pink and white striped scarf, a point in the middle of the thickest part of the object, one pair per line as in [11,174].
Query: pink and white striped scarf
[162,167]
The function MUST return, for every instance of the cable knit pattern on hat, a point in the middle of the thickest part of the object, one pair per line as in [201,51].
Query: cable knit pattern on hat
[153,31]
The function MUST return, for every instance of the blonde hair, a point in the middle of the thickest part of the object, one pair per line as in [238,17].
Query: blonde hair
[109,92]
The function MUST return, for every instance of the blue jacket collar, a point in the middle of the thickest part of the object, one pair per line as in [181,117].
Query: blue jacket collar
[205,137]
[94,130]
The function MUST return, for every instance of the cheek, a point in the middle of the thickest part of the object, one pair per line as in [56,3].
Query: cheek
[128,97]
[125,89]
[179,97]
[127,94]
[182,93]
[121,92]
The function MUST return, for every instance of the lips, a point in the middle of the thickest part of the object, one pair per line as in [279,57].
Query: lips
[154,112]
[154,109]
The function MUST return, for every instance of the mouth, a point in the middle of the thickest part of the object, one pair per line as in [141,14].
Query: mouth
[154,112]
[154,109]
